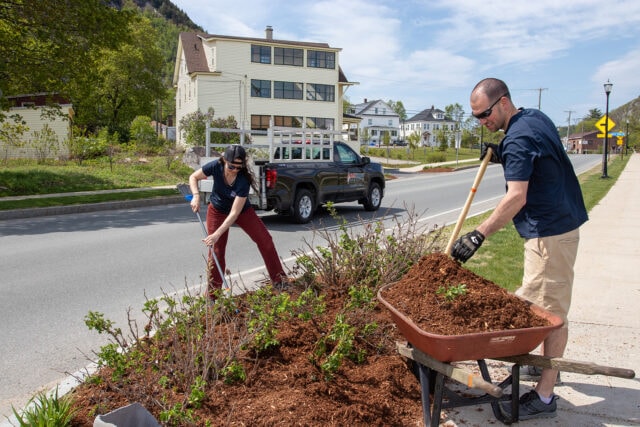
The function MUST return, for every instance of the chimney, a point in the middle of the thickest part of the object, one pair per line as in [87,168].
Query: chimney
[269,32]
[365,100]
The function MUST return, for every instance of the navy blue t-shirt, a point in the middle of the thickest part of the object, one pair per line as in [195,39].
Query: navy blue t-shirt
[532,151]
[223,195]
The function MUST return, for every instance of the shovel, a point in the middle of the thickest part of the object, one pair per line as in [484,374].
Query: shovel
[467,205]
[185,190]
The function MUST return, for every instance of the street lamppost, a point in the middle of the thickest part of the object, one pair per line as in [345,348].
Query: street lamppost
[605,147]
[626,139]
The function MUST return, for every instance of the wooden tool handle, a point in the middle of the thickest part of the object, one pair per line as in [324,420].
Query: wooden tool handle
[568,365]
[467,205]
[458,374]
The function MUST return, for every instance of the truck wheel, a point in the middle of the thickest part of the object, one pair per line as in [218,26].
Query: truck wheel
[374,197]
[303,206]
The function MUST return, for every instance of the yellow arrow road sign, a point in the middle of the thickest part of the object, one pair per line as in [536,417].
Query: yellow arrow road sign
[600,124]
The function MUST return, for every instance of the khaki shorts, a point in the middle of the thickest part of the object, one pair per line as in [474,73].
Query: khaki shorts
[548,272]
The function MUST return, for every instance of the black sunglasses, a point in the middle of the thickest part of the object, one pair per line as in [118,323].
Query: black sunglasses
[235,166]
[486,113]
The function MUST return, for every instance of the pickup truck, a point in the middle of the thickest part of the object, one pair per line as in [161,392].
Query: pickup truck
[302,171]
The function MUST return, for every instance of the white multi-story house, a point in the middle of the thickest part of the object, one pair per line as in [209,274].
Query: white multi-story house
[259,81]
[428,124]
[376,119]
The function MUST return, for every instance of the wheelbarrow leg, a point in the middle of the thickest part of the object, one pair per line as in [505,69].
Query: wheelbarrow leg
[514,401]
[423,375]
[437,400]
[431,418]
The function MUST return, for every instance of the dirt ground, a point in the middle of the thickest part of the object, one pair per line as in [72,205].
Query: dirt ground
[284,387]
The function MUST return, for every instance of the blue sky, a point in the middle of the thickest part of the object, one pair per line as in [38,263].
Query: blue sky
[552,53]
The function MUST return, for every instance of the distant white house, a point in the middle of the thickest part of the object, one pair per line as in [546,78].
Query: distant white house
[259,81]
[428,124]
[376,119]
[39,111]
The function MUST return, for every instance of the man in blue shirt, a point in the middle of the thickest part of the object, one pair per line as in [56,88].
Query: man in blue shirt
[545,203]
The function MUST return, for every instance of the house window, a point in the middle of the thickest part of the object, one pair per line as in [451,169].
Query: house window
[287,121]
[261,54]
[287,90]
[318,92]
[261,88]
[213,58]
[260,122]
[321,59]
[288,56]
[390,122]
[319,123]
[369,122]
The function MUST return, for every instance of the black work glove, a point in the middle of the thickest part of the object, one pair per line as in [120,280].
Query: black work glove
[494,152]
[467,245]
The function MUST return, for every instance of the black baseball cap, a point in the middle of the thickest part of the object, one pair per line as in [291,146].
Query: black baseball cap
[234,152]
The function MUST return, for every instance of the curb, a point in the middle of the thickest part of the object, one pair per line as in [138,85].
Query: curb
[89,207]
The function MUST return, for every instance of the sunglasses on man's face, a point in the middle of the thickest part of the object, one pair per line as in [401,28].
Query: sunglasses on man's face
[486,113]
[234,166]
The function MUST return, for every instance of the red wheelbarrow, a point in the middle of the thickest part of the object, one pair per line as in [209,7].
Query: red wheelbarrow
[431,353]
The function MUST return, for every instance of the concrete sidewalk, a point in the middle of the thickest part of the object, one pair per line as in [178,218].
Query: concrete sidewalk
[604,321]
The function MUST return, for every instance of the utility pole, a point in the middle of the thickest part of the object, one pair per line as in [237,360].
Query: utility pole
[540,89]
[568,125]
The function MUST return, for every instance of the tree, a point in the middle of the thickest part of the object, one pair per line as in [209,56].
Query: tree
[399,109]
[125,83]
[45,143]
[46,44]
[414,141]
[193,127]
[142,133]
[442,138]
[346,105]
[365,136]
[455,112]
[225,138]
[594,113]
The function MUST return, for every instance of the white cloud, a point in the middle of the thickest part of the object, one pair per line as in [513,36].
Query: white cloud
[623,73]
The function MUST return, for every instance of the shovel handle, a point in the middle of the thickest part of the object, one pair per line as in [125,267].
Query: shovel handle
[467,205]
[186,192]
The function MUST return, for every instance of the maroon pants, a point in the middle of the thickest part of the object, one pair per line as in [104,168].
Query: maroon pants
[255,229]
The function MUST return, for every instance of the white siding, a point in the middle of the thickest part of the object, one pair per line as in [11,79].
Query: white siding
[35,123]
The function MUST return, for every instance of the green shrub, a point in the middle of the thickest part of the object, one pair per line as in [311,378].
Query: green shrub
[44,410]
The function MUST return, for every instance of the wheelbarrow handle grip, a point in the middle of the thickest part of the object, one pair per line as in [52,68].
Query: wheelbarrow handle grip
[461,375]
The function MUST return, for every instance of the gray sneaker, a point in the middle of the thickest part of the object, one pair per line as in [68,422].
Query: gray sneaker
[531,407]
[532,373]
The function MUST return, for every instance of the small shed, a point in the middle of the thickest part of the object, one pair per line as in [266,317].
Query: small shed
[46,116]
